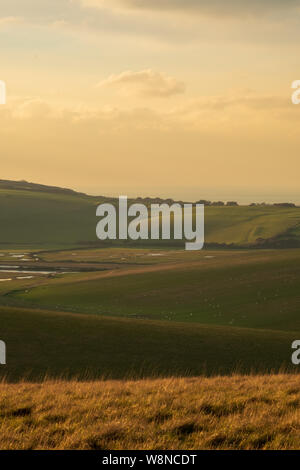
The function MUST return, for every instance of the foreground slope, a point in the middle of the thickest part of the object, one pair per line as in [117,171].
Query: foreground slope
[60,344]
[218,413]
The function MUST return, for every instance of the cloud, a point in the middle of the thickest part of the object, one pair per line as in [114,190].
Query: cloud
[241,135]
[8,20]
[145,82]
[206,7]
[31,108]
[219,114]
[171,21]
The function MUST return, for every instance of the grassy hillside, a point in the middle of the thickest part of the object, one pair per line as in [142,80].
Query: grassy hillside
[48,220]
[245,225]
[252,289]
[71,309]
[60,344]
[138,311]
[218,413]
[35,216]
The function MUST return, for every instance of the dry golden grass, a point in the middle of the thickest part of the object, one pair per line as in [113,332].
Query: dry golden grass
[238,412]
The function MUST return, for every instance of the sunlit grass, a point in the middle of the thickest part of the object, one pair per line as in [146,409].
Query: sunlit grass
[238,412]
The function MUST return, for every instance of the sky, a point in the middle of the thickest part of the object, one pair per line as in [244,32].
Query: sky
[185,99]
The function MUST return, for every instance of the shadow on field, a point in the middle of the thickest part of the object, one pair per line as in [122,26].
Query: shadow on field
[55,344]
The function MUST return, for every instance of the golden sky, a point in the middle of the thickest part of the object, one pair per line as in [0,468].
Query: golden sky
[180,98]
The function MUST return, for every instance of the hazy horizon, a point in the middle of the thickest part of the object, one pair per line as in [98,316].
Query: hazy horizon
[190,195]
[180,99]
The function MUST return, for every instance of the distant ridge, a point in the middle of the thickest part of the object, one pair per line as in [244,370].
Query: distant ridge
[52,217]
[27,186]
[24,185]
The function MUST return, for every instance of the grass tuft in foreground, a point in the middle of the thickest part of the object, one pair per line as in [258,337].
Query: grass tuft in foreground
[238,412]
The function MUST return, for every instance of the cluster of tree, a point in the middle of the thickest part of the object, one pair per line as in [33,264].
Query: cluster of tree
[217,203]
[278,204]
[158,200]
[154,200]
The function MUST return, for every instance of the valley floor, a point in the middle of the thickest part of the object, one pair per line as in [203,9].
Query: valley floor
[237,412]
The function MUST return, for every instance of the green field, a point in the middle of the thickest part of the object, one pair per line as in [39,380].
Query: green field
[86,310]
[222,312]
[58,344]
[31,218]
[258,289]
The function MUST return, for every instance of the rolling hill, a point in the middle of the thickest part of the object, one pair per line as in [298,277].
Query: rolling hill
[252,289]
[43,343]
[37,216]
[70,306]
